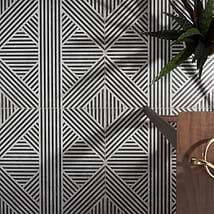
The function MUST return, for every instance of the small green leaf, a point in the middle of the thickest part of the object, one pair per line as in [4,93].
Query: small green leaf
[207,17]
[177,60]
[189,33]
[167,34]
[184,24]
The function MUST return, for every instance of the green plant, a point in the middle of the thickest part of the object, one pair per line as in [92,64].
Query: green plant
[197,33]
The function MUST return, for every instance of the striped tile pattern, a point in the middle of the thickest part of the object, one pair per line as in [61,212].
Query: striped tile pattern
[105,205]
[74,76]
[50,106]
[106,7]
[24,162]
[105,107]
[5,208]
[20,53]
[7,108]
[4,5]
[80,163]
[79,53]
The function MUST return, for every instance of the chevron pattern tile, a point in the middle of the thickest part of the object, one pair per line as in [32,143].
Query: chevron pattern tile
[74,75]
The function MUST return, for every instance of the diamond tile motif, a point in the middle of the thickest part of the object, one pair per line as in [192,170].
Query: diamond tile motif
[20,53]
[79,53]
[24,162]
[80,162]
[105,107]
[129,162]
[105,206]
[74,77]
[129,53]
[105,8]
[7,108]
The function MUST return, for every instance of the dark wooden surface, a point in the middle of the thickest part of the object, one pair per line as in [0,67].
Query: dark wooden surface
[195,189]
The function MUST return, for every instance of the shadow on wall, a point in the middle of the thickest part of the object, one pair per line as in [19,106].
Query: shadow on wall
[125,161]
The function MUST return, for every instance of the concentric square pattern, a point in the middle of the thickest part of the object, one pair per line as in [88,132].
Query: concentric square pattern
[74,76]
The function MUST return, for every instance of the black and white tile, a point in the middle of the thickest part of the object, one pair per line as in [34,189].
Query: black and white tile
[74,76]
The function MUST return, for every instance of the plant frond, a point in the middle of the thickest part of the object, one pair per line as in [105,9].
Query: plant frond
[166,34]
[177,60]
[190,32]
[206,17]
[184,23]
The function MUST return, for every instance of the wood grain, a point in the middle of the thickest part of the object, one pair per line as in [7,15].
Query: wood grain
[195,189]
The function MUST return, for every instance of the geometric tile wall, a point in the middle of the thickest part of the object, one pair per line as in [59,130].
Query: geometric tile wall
[74,76]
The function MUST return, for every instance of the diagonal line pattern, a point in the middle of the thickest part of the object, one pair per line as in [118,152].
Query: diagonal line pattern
[194,89]
[87,19]
[4,207]
[15,127]
[79,203]
[7,108]
[4,5]
[85,87]
[68,79]
[106,70]
[33,188]
[69,187]
[15,17]
[122,195]
[32,79]
[68,27]
[18,199]
[87,129]
[122,19]
[122,129]
[13,87]
[31,27]
[56,82]
[125,88]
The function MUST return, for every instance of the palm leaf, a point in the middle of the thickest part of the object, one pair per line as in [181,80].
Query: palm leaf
[210,33]
[190,32]
[189,41]
[167,34]
[184,23]
[211,44]
[207,17]
[177,60]
[198,9]
[200,65]
[201,54]
[211,48]
[199,49]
